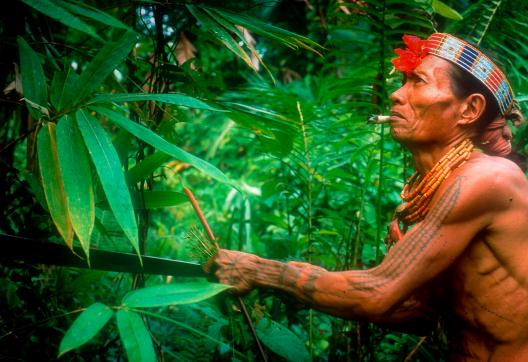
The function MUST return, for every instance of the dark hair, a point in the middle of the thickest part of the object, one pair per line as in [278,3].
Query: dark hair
[463,84]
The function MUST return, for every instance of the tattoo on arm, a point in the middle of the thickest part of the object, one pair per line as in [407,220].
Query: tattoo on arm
[418,240]
[403,258]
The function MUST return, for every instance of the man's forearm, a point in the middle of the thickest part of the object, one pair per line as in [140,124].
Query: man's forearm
[296,279]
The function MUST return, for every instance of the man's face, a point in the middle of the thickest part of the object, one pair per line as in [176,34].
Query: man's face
[424,109]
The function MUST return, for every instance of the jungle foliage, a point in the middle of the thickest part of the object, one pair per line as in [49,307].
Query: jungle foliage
[110,109]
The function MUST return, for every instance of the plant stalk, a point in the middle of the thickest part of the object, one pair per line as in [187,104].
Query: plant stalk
[211,237]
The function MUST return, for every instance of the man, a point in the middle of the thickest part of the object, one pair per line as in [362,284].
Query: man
[459,238]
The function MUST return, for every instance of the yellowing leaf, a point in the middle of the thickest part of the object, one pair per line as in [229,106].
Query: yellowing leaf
[52,182]
[77,177]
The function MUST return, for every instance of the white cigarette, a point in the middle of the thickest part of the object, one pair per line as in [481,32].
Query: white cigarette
[377,119]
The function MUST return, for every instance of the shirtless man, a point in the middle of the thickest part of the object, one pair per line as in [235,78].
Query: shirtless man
[466,238]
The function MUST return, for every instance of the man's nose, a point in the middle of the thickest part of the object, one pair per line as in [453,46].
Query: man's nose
[396,97]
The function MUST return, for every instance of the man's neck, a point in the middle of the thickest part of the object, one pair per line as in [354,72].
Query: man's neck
[424,158]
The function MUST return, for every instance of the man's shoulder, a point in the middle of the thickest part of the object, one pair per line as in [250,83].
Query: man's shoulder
[492,181]
[493,170]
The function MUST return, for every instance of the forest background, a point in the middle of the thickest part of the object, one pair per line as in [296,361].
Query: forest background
[261,108]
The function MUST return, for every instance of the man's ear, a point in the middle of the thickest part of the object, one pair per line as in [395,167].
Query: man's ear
[472,108]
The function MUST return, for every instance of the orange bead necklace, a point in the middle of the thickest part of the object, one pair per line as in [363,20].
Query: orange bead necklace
[419,191]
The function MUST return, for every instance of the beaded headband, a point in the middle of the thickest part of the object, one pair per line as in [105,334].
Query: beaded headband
[461,53]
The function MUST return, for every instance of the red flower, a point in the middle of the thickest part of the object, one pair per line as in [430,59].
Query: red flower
[411,57]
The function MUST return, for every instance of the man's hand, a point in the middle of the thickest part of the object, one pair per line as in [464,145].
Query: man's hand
[237,269]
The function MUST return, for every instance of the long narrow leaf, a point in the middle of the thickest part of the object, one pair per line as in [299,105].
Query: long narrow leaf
[92,13]
[52,181]
[62,91]
[62,15]
[102,65]
[220,33]
[170,98]
[161,144]
[159,199]
[135,337]
[170,294]
[77,176]
[146,167]
[33,79]
[283,36]
[85,327]
[108,167]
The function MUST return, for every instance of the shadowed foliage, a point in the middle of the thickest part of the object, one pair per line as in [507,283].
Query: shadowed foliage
[111,108]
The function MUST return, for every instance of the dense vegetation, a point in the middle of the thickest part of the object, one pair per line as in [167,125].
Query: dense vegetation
[110,109]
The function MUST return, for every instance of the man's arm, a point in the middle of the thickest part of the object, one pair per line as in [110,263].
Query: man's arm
[427,249]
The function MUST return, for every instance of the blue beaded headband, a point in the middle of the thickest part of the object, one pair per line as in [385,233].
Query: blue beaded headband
[475,62]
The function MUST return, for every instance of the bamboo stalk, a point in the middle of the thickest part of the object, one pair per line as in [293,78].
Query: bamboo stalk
[212,238]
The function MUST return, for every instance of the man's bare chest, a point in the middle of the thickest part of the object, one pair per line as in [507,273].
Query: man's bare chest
[484,295]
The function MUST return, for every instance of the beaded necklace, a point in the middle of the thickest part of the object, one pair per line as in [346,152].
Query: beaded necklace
[419,191]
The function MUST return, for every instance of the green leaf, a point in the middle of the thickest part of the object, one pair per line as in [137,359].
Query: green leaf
[62,15]
[77,177]
[85,327]
[106,161]
[52,181]
[146,167]
[170,294]
[282,341]
[33,80]
[161,144]
[220,33]
[62,85]
[170,98]
[135,336]
[441,8]
[92,13]
[283,36]
[522,99]
[102,65]
[158,199]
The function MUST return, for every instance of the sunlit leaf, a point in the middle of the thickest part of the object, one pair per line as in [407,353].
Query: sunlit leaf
[135,337]
[77,177]
[282,341]
[108,167]
[169,294]
[445,10]
[170,98]
[52,183]
[85,327]
[33,79]
[62,15]
[160,143]
[102,65]
[159,199]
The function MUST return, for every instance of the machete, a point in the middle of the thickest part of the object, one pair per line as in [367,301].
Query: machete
[43,252]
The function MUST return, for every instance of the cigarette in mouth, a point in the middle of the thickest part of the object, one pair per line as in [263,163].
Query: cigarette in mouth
[378,119]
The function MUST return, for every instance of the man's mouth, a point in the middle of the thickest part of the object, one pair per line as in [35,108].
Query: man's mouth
[396,115]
